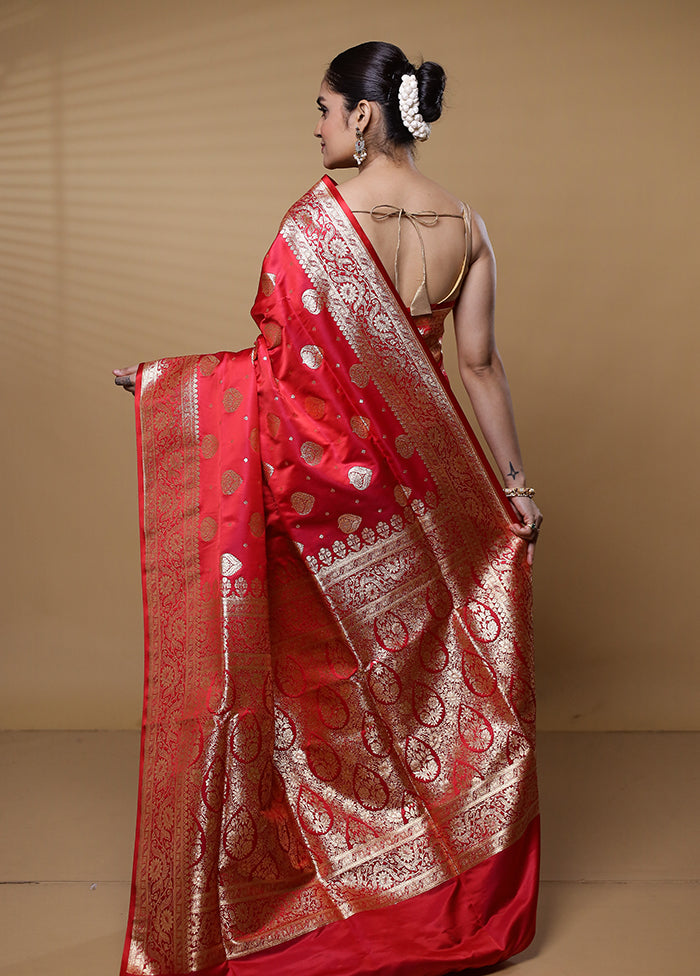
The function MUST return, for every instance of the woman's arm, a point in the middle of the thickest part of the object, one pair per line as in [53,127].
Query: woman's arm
[485,380]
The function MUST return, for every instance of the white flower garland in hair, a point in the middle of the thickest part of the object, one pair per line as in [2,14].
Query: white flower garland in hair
[409,108]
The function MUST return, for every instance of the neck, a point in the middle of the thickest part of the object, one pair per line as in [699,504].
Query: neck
[379,164]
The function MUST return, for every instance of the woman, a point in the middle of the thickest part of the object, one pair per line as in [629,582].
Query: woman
[337,761]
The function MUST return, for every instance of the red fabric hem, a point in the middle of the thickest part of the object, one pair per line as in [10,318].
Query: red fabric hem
[480,918]
[476,920]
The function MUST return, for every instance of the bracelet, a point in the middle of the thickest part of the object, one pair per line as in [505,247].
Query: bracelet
[519,492]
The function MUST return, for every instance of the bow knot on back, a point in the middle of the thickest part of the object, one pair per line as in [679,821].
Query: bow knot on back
[428,218]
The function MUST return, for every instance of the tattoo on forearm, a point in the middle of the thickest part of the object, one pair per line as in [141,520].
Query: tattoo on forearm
[512,473]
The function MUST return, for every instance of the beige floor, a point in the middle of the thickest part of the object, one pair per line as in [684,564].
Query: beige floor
[621,861]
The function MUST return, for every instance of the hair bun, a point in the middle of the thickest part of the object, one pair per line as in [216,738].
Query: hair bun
[431,85]
[374,71]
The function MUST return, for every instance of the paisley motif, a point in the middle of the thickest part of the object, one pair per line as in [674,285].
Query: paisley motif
[358,832]
[207,364]
[482,622]
[311,452]
[349,523]
[439,599]
[290,677]
[391,632]
[522,698]
[432,651]
[369,788]
[475,730]
[322,759]
[360,426]
[208,528]
[213,785]
[272,333]
[428,706]
[240,835]
[404,446]
[311,356]
[384,683]
[285,730]
[221,695]
[463,776]
[422,760]
[360,477]
[210,445]
[302,502]
[315,407]
[265,869]
[265,785]
[232,399]
[312,301]
[341,659]
[246,738]
[402,494]
[315,815]
[376,735]
[230,481]
[518,746]
[478,674]
[410,807]
[332,708]
[359,375]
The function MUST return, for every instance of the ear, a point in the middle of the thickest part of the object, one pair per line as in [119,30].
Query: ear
[362,114]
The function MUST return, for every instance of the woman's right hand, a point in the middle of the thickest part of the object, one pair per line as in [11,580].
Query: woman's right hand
[529,526]
[126,377]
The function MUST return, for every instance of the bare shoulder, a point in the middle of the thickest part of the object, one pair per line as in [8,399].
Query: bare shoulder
[441,199]
[426,194]
[349,191]
[481,243]
[405,188]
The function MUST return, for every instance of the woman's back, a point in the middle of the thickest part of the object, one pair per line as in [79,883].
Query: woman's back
[383,200]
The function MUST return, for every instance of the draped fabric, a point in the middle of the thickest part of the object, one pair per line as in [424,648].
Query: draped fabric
[337,770]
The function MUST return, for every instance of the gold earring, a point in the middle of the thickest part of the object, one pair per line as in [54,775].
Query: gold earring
[360,154]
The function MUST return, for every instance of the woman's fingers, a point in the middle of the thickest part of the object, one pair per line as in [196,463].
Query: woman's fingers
[126,377]
[529,527]
[529,532]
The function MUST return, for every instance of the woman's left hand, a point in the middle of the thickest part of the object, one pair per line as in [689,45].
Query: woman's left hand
[529,526]
[126,377]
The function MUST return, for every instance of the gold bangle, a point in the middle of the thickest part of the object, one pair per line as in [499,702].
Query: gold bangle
[519,492]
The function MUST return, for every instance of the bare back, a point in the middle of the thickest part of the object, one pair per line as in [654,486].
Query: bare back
[444,239]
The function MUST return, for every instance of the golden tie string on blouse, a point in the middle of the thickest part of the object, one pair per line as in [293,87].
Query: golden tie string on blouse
[420,304]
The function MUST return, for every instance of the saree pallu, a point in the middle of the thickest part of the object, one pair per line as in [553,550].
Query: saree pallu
[337,769]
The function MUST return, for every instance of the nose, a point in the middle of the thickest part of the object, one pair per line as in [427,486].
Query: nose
[317,130]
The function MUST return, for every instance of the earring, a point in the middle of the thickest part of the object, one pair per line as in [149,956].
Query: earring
[360,154]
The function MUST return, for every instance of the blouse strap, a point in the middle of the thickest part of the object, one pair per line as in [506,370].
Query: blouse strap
[428,218]
[467,217]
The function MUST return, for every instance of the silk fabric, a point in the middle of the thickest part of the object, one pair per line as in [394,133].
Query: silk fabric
[337,769]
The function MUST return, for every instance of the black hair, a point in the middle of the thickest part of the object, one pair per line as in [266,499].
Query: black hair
[373,71]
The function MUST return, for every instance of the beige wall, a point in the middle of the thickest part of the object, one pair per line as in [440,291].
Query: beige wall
[148,152]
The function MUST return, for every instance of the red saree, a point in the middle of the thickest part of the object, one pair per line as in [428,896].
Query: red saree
[337,770]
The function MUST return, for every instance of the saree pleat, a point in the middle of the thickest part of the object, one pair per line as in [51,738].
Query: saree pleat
[337,748]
